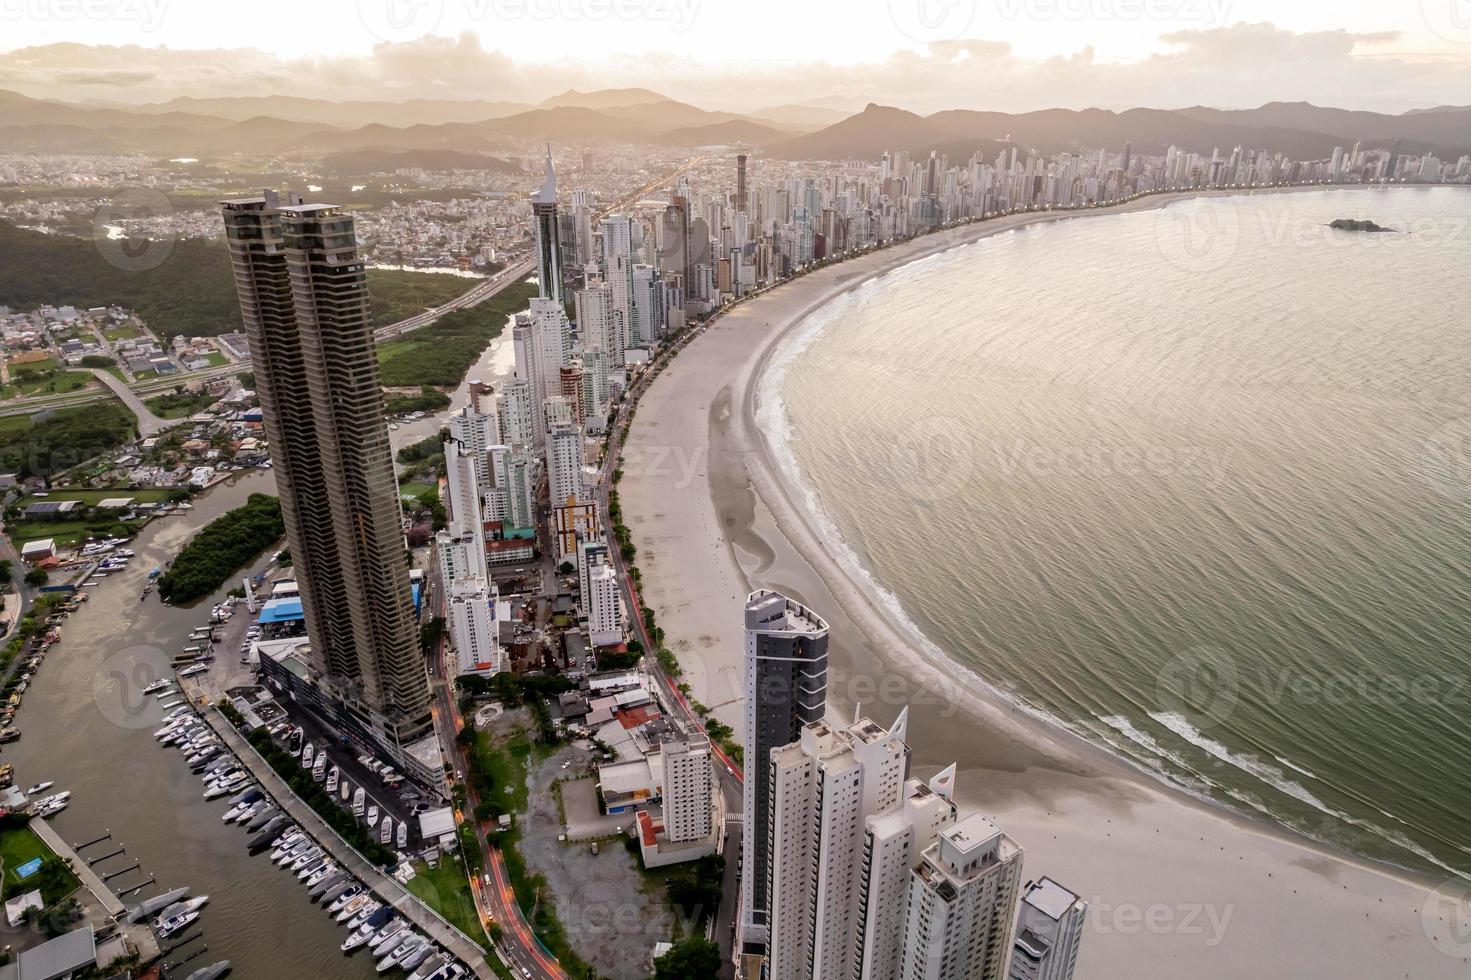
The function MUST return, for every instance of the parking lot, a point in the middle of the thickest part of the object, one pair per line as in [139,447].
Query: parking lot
[398,803]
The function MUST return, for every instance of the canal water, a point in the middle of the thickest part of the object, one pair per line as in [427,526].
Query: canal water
[86,725]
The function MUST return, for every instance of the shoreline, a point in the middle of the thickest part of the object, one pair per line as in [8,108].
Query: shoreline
[1037,777]
[790,342]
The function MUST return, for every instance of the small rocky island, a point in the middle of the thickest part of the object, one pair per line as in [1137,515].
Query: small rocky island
[1356,224]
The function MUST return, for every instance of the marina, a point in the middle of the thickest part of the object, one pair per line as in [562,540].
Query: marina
[90,729]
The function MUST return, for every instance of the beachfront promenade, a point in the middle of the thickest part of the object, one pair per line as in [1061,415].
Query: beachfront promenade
[387,888]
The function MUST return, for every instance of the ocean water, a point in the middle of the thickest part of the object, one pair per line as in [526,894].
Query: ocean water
[1195,482]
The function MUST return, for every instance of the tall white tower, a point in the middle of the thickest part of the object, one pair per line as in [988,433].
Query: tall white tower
[1049,928]
[823,788]
[962,899]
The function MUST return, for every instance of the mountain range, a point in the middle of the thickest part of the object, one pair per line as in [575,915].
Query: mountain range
[444,133]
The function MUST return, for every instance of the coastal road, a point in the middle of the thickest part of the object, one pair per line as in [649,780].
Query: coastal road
[729,774]
[495,900]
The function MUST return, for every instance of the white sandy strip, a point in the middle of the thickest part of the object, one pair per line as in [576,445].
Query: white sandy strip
[1179,888]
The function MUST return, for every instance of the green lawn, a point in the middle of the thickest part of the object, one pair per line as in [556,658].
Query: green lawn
[19,844]
[179,404]
[150,495]
[216,358]
[412,491]
[446,890]
[65,532]
[44,378]
[121,332]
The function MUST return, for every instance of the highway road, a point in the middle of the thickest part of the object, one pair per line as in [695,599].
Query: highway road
[473,296]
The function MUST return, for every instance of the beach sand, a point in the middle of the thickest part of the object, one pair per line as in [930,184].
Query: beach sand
[1177,887]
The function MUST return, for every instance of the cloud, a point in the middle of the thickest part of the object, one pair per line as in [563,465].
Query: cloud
[1231,66]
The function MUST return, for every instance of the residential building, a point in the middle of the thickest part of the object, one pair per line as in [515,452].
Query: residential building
[474,627]
[1049,928]
[564,464]
[604,604]
[304,301]
[548,236]
[688,789]
[823,788]
[786,689]
[893,844]
[962,902]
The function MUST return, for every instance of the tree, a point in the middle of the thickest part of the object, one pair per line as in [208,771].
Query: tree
[694,958]
[6,576]
[36,577]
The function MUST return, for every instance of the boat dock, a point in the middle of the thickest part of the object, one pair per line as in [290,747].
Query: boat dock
[389,889]
[138,934]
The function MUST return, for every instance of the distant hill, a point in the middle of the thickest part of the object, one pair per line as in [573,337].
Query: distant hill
[725,133]
[371,160]
[799,116]
[565,122]
[1279,127]
[668,114]
[313,128]
[866,135]
[340,114]
[608,98]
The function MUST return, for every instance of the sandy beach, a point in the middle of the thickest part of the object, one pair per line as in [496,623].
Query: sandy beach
[1177,887]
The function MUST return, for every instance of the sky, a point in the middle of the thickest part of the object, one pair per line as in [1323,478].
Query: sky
[742,55]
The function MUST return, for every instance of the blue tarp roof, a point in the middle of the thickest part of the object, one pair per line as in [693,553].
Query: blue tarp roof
[288,610]
[281,610]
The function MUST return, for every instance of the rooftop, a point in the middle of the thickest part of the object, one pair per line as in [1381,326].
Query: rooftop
[772,612]
[1049,898]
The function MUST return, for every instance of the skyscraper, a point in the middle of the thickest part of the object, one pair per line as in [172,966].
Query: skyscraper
[548,236]
[786,688]
[823,788]
[304,301]
[893,844]
[740,194]
[1049,928]
[962,901]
